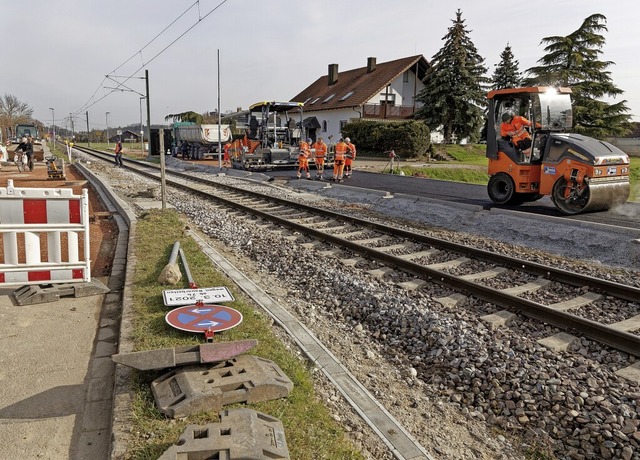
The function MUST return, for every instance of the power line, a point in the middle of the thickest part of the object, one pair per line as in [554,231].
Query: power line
[89,104]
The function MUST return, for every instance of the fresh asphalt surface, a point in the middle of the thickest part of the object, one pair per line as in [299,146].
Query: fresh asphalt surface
[627,216]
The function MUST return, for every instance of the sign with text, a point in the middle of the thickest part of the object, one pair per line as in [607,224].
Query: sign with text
[177,297]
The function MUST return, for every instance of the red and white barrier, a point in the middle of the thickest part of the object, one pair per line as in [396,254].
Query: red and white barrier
[25,214]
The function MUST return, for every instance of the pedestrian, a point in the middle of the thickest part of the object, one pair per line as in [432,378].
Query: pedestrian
[184,150]
[338,160]
[303,158]
[29,153]
[118,152]
[349,158]
[514,128]
[320,149]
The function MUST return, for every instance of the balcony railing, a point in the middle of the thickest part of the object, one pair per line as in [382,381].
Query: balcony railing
[388,111]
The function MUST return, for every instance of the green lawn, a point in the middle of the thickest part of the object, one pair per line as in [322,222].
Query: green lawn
[310,430]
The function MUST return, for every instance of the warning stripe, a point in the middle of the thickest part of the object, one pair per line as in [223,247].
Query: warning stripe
[42,275]
[41,211]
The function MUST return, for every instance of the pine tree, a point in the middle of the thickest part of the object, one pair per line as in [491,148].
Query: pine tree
[453,94]
[506,73]
[574,61]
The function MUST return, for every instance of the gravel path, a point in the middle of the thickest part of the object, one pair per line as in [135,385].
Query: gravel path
[462,390]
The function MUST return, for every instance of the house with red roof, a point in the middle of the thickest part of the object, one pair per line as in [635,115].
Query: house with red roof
[379,91]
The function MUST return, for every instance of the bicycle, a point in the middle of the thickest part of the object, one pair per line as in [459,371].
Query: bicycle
[20,159]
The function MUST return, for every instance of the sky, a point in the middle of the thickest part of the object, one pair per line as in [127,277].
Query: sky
[76,56]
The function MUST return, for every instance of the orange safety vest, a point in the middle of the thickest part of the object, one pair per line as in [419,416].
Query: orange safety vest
[321,150]
[341,151]
[352,153]
[516,129]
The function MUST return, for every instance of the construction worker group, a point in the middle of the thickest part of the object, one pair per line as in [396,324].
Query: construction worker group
[345,153]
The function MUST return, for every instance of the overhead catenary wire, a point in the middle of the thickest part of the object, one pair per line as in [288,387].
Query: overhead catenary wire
[89,102]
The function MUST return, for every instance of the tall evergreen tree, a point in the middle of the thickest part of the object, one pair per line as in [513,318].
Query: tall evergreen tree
[506,73]
[574,61]
[453,94]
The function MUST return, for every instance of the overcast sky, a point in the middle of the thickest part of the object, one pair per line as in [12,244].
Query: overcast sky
[57,53]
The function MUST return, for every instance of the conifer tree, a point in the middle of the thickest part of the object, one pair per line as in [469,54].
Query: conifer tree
[506,73]
[574,61]
[454,95]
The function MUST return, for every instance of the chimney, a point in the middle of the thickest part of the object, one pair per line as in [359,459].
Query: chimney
[371,64]
[333,74]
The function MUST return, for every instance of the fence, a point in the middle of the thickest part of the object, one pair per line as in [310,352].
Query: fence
[41,232]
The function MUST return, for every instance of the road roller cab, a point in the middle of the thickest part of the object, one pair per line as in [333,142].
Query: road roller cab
[578,172]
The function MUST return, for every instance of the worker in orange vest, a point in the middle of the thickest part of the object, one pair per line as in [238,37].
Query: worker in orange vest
[348,160]
[513,128]
[303,158]
[338,160]
[320,149]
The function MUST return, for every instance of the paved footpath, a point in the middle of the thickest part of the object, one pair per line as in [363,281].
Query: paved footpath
[56,374]
[55,394]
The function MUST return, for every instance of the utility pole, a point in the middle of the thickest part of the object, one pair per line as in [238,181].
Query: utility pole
[163,186]
[73,132]
[146,77]
[106,119]
[88,133]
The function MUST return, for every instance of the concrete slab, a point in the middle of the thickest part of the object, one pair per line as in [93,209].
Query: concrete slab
[627,325]
[492,273]
[576,302]
[498,319]
[631,373]
[380,272]
[528,287]
[450,263]
[164,358]
[193,389]
[454,300]
[412,285]
[241,434]
[558,342]
[417,255]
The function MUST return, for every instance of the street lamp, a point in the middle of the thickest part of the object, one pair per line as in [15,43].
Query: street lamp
[53,122]
[106,118]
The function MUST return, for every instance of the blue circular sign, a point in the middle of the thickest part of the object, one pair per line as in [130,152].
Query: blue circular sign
[202,318]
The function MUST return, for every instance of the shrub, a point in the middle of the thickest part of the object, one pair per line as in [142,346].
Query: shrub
[409,139]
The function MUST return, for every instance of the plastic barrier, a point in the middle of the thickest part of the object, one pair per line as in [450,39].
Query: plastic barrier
[29,214]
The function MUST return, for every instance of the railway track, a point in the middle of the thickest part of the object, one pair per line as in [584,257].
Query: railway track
[412,260]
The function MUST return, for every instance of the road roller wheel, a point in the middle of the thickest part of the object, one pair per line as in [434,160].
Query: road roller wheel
[501,189]
[576,200]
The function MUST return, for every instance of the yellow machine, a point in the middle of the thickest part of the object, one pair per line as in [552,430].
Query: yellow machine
[578,172]
[55,168]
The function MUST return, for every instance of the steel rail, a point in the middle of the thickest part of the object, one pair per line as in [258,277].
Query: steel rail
[623,341]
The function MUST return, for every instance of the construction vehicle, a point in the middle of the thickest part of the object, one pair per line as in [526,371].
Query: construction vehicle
[579,173]
[26,130]
[201,140]
[272,137]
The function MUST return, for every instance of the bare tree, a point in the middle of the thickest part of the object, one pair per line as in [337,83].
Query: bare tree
[13,112]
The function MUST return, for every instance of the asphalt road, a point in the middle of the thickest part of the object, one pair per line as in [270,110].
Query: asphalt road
[627,215]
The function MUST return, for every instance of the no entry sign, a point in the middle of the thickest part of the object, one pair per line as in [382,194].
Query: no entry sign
[200,318]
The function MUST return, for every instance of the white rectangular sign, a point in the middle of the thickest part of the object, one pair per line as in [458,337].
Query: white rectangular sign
[191,296]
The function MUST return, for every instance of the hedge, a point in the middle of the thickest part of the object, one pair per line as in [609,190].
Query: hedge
[409,139]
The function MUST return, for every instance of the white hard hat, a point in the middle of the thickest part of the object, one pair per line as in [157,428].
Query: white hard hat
[347,139]
[24,139]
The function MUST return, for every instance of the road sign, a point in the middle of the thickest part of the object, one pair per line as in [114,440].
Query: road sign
[200,318]
[173,298]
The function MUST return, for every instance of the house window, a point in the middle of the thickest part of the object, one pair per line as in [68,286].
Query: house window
[342,124]
[405,76]
[324,126]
